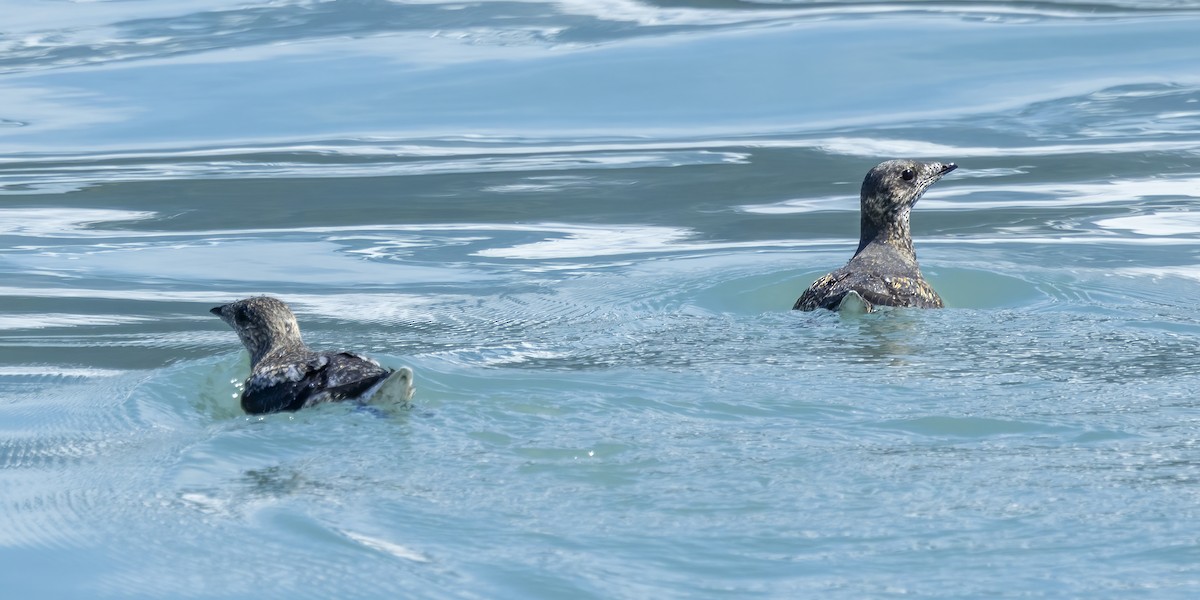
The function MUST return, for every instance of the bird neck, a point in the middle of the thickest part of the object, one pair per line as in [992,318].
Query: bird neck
[274,348]
[893,233]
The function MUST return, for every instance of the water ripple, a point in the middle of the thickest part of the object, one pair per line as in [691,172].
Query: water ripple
[614,399]
[55,175]
[93,37]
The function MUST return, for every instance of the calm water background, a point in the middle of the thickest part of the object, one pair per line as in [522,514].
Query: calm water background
[583,223]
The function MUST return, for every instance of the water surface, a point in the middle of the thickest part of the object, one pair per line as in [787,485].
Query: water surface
[583,224]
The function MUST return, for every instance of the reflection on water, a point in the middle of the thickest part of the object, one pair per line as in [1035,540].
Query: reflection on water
[583,224]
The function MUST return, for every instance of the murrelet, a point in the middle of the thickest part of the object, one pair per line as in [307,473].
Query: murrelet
[884,270]
[285,374]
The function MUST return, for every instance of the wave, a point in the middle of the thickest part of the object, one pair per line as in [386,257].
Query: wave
[12,321]
[1048,196]
[59,175]
[1111,121]
[93,34]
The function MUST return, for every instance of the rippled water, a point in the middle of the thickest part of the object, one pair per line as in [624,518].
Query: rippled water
[583,223]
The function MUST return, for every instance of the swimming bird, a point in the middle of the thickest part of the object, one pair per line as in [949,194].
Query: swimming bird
[884,270]
[286,375]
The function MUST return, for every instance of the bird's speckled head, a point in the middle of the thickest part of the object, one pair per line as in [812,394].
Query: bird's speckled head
[264,324]
[889,192]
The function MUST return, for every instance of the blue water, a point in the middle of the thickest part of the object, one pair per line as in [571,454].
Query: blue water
[583,223]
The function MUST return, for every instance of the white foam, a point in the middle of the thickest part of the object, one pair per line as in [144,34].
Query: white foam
[387,547]
[45,320]
[521,353]
[1033,195]
[1185,272]
[1157,224]
[48,371]
[915,148]
[49,109]
[591,241]
[42,222]
[646,15]
[61,179]
[52,222]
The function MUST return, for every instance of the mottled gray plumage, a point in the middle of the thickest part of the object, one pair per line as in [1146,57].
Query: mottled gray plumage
[284,373]
[884,270]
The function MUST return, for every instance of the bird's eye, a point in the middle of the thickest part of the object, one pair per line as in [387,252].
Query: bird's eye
[908,174]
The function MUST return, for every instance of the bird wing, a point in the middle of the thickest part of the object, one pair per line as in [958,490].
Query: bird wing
[284,386]
[876,288]
[811,298]
[910,291]
[829,291]
[324,377]
[351,375]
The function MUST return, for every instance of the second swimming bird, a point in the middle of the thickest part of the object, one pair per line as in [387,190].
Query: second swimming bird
[884,270]
[286,375]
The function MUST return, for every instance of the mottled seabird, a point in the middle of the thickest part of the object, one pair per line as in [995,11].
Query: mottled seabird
[884,270]
[286,375]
